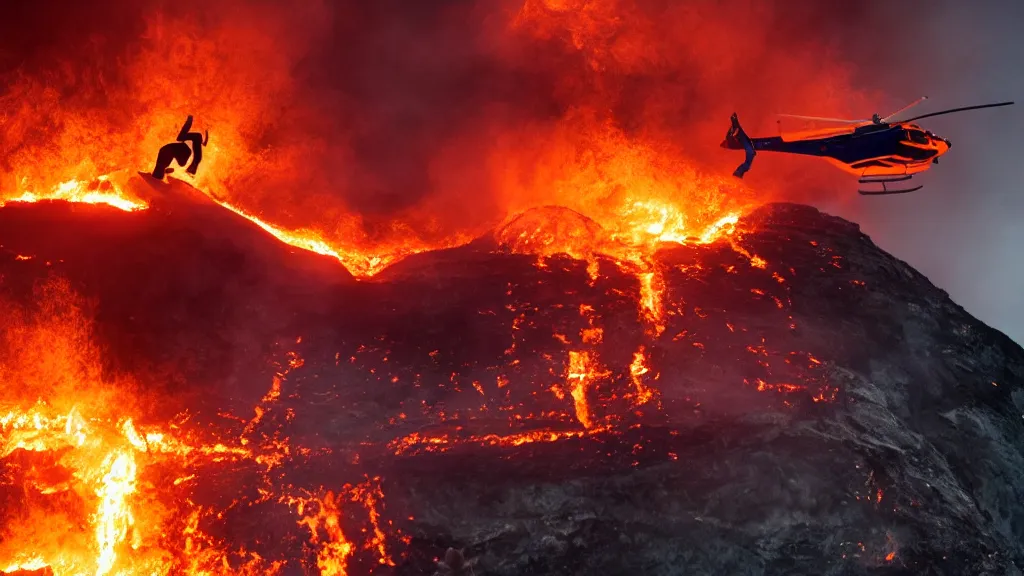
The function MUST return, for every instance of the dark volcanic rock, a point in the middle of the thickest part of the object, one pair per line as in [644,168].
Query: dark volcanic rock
[821,409]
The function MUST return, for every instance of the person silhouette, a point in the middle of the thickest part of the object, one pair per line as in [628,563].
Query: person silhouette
[180,151]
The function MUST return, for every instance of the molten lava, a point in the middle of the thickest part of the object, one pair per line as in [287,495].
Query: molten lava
[101,470]
[130,487]
[95,493]
[102,190]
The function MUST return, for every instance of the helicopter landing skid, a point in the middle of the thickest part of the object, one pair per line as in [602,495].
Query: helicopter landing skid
[886,191]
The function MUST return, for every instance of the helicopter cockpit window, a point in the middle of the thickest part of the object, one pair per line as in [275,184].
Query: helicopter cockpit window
[917,136]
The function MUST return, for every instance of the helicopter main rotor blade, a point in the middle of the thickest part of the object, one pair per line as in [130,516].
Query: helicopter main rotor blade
[905,108]
[965,108]
[840,120]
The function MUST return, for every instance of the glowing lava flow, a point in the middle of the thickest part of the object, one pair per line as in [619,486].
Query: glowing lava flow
[99,474]
[103,469]
[109,189]
[359,263]
[114,518]
[637,370]
[335,549]
[129,526]
[102,190]
[623,203]
[579,374]
[87,491]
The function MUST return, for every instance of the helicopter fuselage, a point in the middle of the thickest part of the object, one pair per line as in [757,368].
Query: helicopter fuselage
[873,150]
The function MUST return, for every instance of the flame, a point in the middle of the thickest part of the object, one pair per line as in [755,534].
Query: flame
[101,190]
[104,471]
[284,151]
[640,228]
[92,504]
[582,370]
[651,288]
[637,370]
[360,262]
[119,526]
[335,549]
[114,518]
[635,191]
[126,528]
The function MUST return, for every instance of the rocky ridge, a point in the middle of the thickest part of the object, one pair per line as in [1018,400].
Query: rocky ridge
[820,407]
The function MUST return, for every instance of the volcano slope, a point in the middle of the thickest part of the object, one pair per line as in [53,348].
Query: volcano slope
[787,400]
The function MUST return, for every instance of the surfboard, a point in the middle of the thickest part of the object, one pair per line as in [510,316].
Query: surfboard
[172,190]
[148,177]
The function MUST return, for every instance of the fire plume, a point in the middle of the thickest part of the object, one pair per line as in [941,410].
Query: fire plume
[639,184]
[101,190]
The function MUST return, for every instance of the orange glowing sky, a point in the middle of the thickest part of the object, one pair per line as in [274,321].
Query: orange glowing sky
[370,132]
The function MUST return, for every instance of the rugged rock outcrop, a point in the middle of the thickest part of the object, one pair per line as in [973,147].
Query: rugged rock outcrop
[792,400]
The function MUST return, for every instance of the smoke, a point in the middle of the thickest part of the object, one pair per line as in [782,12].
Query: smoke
[379,121]
[962,229]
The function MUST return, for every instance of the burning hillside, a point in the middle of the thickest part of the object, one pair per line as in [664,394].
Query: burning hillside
[369,132]
[185,395]
[465,274]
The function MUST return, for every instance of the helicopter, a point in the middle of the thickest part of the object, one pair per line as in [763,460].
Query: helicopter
[878,151]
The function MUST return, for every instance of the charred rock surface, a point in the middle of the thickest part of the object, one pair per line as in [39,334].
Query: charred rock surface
[791,401]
